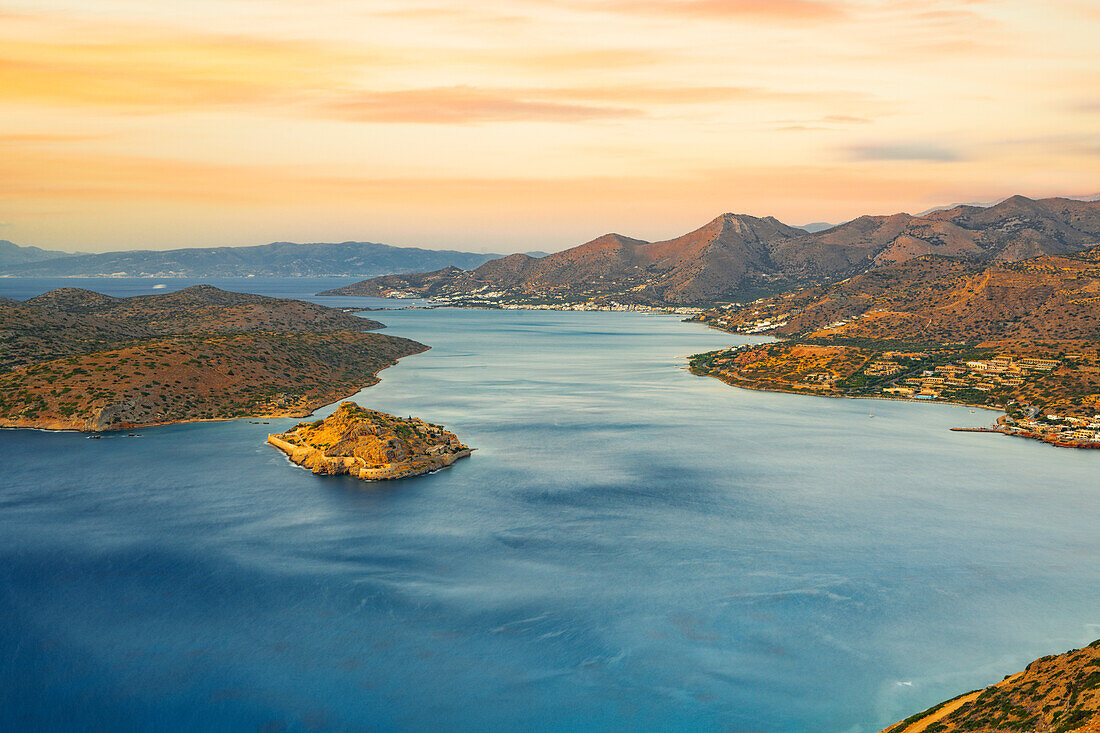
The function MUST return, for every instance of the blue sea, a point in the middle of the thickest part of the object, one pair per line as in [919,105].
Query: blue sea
[630,548]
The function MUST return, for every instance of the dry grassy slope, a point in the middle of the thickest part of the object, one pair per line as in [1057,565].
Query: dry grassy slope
[198,376]
[71,320]
[937,299]
[204,308]
[1055,694]
[29,334]
[81,360]
[736,254]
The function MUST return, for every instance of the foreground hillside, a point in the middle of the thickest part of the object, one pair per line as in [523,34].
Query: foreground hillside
[75,359]
[1055,694]
[737,257]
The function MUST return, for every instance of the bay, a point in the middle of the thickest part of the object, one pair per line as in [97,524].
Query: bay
[630,547]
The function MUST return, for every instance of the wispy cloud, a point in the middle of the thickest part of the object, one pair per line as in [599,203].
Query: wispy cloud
[448,105]
[467,104]
[904,151]
[797,11]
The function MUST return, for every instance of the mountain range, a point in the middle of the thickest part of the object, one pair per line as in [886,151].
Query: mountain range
[11,254]
[278,259]
[737,257]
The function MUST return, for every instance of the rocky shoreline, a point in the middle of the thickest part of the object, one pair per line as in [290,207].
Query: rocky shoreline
[370,445]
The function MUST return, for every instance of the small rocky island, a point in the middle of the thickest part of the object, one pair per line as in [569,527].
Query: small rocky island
[370,445]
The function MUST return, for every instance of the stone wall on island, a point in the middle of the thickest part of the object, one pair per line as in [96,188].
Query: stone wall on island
[370,445]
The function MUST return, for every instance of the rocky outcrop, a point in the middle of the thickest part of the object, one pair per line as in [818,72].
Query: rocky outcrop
[369,445]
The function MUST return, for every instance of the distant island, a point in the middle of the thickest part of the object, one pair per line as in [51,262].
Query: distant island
[278,259]
[369,445]
[1055,694]
[74,359]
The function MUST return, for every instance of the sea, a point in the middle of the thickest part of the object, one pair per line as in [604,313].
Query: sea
[630,547]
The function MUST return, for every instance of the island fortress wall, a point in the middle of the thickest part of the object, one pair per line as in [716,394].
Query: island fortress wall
[319,463]
[364,444]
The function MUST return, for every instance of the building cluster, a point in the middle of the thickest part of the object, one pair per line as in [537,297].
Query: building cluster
[1054,428]
[1002,372]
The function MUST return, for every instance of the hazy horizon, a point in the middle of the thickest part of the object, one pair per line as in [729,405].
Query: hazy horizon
[505,250]
[529,124]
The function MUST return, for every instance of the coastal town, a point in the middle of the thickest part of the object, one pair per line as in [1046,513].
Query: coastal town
[1041,396]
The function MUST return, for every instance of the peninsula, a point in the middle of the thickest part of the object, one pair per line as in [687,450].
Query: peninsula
[1014,336]
[74,359]
[370,445]
[1055,694]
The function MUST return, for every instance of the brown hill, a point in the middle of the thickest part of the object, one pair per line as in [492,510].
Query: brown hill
[72,320]
[82,360]
[738,257]
[935,299]
[1055,694]
[196,377]
[203,308]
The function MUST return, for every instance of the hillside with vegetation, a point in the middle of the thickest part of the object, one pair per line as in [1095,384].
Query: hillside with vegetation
[1055,694]
[1022,337]
[75,359]
[936,299]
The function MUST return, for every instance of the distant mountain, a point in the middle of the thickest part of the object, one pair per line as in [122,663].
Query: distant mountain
[13,254]
[817,226]
[279,259]
[739,257]
[987,204]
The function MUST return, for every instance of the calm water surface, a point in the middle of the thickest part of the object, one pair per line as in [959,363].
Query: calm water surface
[631,547]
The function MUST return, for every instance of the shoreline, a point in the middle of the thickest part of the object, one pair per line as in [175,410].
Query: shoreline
[997,428]
[847,397]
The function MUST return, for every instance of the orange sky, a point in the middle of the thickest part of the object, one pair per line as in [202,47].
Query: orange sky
[515,125]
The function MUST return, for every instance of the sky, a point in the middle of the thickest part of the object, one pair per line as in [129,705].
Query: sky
[515,125]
